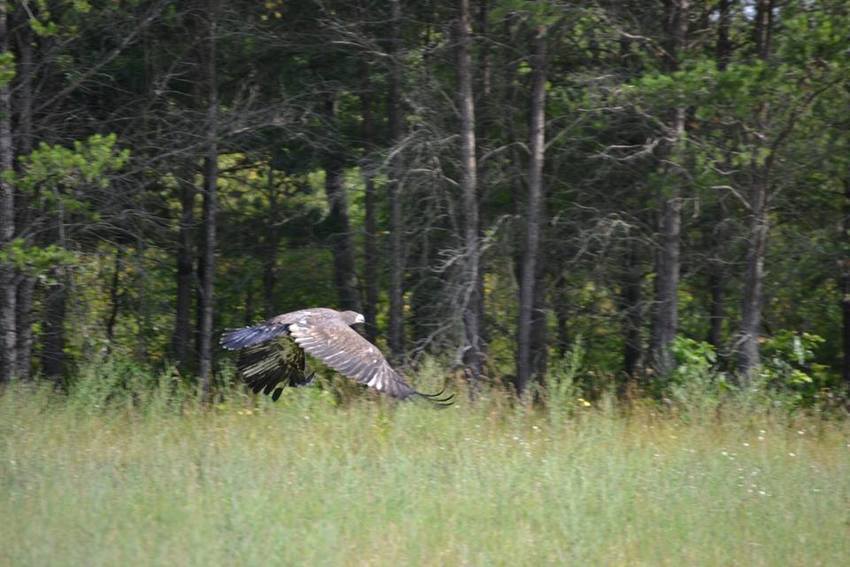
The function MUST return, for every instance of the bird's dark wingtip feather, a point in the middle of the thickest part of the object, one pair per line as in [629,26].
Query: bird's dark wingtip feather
[435,400]
[434,395]
[235,339]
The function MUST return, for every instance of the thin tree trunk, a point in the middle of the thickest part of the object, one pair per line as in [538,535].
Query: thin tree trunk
[8,281]
[24,143]
[181,339]
[469,190]
[631,297]
[666,315]
[539,355]
[537,148]
[114,299]
[24,320]
[717,312]
[717,277]
[748,353]
[272,243]
[723,49]
[342,244]
[370,240]
[209,208]
[562,313]
[53,326]
[748,346]
[845,287]
[396,120]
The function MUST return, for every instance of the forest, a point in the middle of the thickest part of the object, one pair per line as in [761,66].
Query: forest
[661,189]
[616,231]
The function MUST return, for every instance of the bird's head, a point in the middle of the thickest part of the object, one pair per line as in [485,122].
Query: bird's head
[353,317]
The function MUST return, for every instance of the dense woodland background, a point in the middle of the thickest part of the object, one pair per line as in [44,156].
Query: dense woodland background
[659,189]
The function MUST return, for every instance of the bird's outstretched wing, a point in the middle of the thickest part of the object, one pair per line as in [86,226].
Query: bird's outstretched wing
[339,346]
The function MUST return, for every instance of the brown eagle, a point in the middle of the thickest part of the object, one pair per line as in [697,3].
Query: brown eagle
[272,353]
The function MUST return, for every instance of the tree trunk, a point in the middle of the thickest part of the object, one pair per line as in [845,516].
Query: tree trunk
[562,313]
[53,326]
[182,336]
[114,299]
[748,346]
[630,306]
[24,213]
[666,314]
[539,354]
[469,190]
[209,208]
[717,313]
[529,274]
[396,120]
[342,244]
[370,238]
[717,275]
[272,239]
[748,351]
[8,280]
[24,320]
[845,286]
[723,48]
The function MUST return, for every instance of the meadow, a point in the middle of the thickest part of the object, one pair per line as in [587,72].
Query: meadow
[306,481]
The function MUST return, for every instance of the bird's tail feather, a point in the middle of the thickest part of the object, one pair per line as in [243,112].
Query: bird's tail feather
[235,339]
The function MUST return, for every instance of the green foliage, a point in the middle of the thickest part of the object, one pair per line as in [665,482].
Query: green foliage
[7,67]
[87,162]
[789,362]
[35,260]
[693,358]
[562,393]
[121,383]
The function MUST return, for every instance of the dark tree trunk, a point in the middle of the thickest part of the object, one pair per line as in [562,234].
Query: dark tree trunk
[181,338]
[469,190]
[665,314]
[845,286]
[539,354]
[8,279]
[529,297]
[24,320]
[762,28]
[561,306]
[717,313]
[724,44]
[717,277]
[272,244]
[370,238]
[396,123]
[210,206]
[342,243]
[53,326]
[632,310]
[24,144]
[114,299]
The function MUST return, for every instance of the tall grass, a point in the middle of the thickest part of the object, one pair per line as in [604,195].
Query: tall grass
[163,481]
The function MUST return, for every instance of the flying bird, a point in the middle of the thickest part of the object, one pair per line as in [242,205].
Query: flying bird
[272,354]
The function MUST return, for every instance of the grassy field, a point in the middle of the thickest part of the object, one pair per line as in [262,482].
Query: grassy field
[303,482]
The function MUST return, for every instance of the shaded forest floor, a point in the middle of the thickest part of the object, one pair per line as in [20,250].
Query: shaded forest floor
[304,482]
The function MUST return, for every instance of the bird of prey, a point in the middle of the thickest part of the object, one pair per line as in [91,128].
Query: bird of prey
[272,353]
